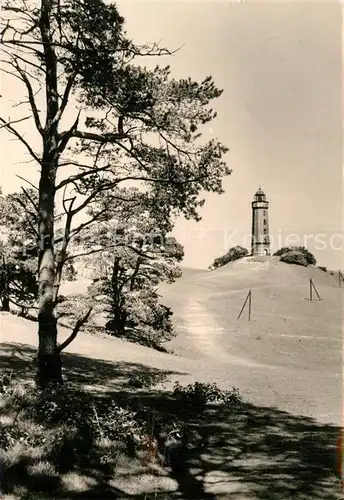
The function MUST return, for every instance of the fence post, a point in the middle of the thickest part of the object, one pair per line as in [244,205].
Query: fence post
[243,307]
[310,289]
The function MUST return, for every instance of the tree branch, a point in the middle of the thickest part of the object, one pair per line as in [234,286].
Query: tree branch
[25,180]
[75,331]
[111,138]
[31,97]
[19,136]
[65,98]
[71,179]
[60,261]
[30,199]
[88,223]
[11,122]
[64,138]
[93,251]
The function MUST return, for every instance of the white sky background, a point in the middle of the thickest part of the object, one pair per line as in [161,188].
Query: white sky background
[279,64]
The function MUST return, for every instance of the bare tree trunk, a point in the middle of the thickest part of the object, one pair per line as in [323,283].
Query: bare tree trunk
[49,360]
[5,295]
[118,317]
[5,303]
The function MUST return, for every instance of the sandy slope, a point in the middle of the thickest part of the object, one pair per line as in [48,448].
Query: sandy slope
[289,355]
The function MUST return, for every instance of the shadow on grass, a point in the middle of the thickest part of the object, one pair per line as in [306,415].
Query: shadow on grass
[78,370]
[240,453]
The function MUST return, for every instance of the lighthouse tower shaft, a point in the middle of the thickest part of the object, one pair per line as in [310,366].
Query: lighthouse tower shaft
[260,225]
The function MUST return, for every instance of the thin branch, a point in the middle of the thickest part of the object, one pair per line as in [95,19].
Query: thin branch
[39,68]
[98,250]
[81,175]
[65,98]
[30,199]
[27,213]
[91,197]
[82,226]
[60,261]
[12,122]
[19,136]
[64,138]
[25,180]
[24,44]
[31,97]
[75,331]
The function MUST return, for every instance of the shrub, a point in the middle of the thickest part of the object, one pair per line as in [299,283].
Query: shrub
[141,380]
[323,268]
[294,257]
[311,260]
[68,424]
[200,394]
[233,253]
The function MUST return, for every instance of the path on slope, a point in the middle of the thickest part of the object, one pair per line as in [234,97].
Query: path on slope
[288,356]
[204,334]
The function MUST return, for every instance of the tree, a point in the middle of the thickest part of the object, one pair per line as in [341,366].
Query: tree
[134,260]
[233,253]
[294,257]
[131,125]
[307,257]
[18,285]
[18,262]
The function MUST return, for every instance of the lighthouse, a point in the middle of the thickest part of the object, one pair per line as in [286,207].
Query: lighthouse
[260,224]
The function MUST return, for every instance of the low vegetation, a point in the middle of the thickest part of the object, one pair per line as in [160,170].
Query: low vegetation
[62,429]
[233,253]
[296,255]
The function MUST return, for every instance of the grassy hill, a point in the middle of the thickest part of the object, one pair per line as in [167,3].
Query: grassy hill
[289,355]
[294,345]
[286,362]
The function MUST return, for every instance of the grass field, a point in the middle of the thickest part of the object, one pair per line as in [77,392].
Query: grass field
[292,346]
[287,363]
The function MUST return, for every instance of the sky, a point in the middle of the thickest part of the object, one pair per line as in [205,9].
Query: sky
[279,64]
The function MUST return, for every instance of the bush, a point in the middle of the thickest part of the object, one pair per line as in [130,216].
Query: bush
[233,253]
[294,257]
[310,259]
[141,380]
[69,425]
[200,394]
[323,268]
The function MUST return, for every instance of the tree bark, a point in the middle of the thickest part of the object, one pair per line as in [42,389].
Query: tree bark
[5,303]
[118,316]
[49,361]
